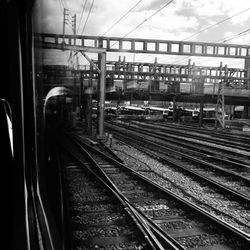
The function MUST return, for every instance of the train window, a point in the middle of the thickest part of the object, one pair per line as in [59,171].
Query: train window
[7,116]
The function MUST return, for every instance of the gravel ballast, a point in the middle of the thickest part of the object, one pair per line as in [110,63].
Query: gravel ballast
[184,186]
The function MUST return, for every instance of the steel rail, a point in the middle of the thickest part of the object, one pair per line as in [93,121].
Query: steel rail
[225,146]
[232,229]
[162,157]
[209,135]
[147,223]
[154,239]
[159,135]
[245,139]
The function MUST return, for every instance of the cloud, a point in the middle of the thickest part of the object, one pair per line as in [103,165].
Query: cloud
[182,18]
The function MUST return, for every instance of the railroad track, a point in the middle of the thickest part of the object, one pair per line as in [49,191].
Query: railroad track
[198,142]
[220,157]
[183,221]
[100,218]
[236,187]
[226,186]
[234,140]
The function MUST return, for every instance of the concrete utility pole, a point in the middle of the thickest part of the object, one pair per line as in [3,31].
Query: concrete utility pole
[65,15]
[74,27]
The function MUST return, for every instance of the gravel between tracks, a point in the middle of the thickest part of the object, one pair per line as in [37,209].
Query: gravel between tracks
[184,186]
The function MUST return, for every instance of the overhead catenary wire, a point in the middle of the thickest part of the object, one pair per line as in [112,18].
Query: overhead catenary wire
[140,24]
[216,24]
[156,12]
[61,5]
[70,61]
[81,16]
[90,9]
[122,17]
[229,38]
[211,26]
[243,33]
[207,28]
[223,40]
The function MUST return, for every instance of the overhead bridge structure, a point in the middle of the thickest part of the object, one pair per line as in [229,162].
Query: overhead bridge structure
[217,84]
[162,79]
[171,72]
[136,45]
[166,72]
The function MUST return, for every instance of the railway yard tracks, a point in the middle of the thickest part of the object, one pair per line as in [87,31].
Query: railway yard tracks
[166,220]
[234,175]
[100,218]
[97,220]
[224,160]
[229,147]
[227,190]
[236,140]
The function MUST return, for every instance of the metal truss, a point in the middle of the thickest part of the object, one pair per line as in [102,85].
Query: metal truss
[129,71]
[220,105]
[134,45]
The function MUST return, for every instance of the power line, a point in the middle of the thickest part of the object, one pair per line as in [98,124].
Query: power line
[164,6]
[123,16]
[243,33]
[81,16]
[135,28]
[88,16]
[61,5]
[223,40]
[207,28]
[215,24]
[90,9]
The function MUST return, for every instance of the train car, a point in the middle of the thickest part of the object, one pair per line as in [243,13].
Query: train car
[195,114]
[168,113]
[209,115]
[184,115]
[238,112]
[131,112]
[181,115]
[94,112]
[156,110]
[111,112]
[155,113]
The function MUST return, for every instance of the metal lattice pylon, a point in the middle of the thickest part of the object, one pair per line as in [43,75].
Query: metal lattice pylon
[220,105]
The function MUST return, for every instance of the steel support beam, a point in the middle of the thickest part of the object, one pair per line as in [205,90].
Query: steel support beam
[136,45]
[220,106]
[247,68]
[101,101]
[201,112]
[237,78]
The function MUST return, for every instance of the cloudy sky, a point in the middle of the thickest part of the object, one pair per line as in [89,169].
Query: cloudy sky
[191,20]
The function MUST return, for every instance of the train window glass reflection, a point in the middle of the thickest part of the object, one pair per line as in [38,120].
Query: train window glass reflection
[8,116]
